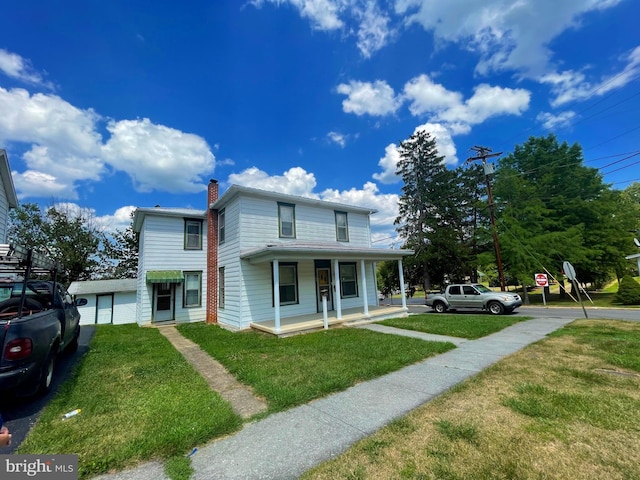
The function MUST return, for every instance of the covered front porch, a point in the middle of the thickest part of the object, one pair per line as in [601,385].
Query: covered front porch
[315,321]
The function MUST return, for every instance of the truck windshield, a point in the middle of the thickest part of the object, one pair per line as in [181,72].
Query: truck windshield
[482,288]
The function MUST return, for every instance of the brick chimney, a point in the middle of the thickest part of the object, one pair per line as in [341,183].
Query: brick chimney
[212,254]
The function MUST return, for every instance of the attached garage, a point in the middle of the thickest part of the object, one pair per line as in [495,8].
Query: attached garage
[108,301]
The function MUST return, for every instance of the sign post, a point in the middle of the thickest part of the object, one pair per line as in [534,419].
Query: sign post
[541,281]
[570,272]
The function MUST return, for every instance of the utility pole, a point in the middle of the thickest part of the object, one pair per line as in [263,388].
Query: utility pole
[482,153]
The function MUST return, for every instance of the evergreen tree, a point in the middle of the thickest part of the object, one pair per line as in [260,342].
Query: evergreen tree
[629,291]
[430,218]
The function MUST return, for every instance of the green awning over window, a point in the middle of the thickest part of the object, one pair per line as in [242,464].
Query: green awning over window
[164,276]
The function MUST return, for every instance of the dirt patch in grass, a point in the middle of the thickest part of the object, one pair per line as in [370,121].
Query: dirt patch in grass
[549,411]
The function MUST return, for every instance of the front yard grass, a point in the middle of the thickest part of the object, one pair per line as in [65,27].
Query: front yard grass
[295,370]
[455,325]
[140,399]
[565,407]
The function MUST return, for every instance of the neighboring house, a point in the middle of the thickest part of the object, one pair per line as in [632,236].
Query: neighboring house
[108,301]
[8,198]
[255,258]
[172,264]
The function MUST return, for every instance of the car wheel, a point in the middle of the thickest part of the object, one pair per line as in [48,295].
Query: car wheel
[440,307]
[495,308]
[46,377]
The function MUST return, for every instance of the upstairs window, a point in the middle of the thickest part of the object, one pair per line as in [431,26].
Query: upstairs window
[193,234]
[221,226]
[287,220]
[342,227]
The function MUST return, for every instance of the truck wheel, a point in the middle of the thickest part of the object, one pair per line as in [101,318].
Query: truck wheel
[46,376]
[72,347]
[495,308]
[440,307]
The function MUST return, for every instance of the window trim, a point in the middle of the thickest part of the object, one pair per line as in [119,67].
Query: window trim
[282,205]
[187,223]
[337,214]
[355,279]
[186,274]
[296,283]
[221,226]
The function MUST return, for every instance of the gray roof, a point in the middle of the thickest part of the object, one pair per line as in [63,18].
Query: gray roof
[301,250]
[103,286]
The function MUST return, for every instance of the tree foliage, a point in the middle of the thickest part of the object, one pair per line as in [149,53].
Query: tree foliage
[434,213]
[629,291]
[67,235]
[119,257]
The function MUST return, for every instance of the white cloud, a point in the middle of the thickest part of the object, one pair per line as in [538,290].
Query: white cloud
[376,99]
[428,97]
[158,157]
[295,181]
[14,66]
[569,86]
[507,34]
[337,138]
[120,219]
[551,121]
[363,19]
[63,147]
[444,144]
[323,14]
[388,163]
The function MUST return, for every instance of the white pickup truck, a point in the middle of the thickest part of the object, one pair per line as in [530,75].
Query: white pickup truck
[473,296]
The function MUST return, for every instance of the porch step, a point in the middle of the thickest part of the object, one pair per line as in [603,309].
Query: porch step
[241,397]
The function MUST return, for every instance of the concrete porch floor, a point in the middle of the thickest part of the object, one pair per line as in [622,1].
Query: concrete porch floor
[315,321]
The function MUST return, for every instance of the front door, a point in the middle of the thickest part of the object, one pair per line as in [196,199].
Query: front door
[163,301]
[323,287]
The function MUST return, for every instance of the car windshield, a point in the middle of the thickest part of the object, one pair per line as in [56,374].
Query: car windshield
[482,288]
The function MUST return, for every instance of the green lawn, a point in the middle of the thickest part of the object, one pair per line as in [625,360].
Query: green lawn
[567,407]
[455,325]
[140,400]
[294,370]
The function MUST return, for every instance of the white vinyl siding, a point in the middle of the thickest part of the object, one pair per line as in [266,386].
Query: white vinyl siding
[162,239]
[4,216]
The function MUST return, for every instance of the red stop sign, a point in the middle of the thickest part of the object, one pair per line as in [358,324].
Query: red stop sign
[541,280]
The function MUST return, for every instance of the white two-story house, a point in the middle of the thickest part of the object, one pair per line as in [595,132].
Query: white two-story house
[258,259]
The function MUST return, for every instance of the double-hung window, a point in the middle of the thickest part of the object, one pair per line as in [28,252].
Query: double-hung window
[192,234]
[287,220]
[348,280]
[342,227]
[221,226]
[288,277]
[192,289]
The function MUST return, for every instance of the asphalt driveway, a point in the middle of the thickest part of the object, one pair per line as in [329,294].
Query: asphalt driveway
[20,414]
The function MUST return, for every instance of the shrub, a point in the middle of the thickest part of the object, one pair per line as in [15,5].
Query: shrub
[629,291]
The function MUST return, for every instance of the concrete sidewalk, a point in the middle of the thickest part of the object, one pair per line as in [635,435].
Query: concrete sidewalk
[286,444]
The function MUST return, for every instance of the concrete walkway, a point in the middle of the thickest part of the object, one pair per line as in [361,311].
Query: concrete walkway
[286,444]
[241,397]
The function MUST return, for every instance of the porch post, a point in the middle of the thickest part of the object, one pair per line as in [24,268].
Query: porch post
[276,293]
[364,288]
[336,284]
[402,292]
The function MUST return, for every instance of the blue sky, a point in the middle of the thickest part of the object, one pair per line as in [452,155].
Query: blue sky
[111,105]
